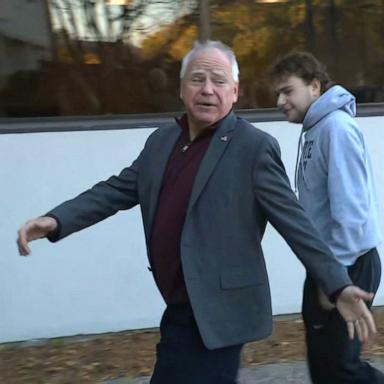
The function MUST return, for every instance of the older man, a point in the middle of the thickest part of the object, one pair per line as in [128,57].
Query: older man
[207,185]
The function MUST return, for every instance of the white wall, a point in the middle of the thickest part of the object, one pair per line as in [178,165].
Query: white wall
[97,280]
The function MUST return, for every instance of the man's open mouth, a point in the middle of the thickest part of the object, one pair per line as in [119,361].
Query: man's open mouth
[206,104]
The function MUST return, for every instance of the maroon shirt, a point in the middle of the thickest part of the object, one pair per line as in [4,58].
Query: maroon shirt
[179,176]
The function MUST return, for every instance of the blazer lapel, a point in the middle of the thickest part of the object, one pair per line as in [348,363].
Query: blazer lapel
[218,144]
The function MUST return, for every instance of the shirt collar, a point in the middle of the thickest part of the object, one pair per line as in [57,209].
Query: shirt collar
[183,124]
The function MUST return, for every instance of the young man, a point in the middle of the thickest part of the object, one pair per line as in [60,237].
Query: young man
[207,185]
[336,188]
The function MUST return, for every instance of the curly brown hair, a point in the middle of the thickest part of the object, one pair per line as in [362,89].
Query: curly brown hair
[303,65]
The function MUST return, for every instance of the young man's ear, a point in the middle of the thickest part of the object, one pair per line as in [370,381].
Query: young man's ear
[316,87]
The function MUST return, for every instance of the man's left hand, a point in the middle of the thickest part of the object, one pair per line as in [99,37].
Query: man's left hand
[352,307]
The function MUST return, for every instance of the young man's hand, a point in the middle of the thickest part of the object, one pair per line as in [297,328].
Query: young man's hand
[352,307]
[32,230]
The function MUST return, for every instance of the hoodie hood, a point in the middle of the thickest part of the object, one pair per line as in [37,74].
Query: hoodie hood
[335,98]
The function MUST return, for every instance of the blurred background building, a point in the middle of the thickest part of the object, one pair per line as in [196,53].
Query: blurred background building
[103,57]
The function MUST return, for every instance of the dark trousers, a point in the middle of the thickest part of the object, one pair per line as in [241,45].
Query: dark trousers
[182,358]
[332,357]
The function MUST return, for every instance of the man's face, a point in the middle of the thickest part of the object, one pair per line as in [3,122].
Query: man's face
[294,96]
[208,89]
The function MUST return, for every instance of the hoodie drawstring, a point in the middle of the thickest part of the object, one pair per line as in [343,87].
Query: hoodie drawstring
[299,159]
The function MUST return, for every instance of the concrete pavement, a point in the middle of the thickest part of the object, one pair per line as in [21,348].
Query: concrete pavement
[277,373]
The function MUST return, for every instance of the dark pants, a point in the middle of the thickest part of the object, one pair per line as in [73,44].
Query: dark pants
[182,358]
[332,357]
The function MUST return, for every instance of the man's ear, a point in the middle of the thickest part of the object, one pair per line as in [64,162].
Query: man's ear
[236,92]
[316,87]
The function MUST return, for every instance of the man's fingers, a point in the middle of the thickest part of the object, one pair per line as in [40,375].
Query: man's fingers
[364,327]
[22,243]
[352,307]
[359,330]
[364,331]
[370,322]
[351,329]
[364,295]
[32,230]
[371,335]
[365,324]
[28,232]
[24,250]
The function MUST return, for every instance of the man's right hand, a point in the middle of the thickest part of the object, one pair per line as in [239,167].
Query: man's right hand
[32,230]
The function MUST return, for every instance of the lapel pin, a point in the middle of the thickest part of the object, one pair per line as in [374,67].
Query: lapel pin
[224,138]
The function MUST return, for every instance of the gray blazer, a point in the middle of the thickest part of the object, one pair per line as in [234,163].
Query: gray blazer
[240,186]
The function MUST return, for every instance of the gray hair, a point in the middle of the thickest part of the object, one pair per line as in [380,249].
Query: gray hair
[210,44]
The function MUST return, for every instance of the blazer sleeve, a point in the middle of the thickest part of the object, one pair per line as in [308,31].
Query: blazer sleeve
[281,208]
[97,203]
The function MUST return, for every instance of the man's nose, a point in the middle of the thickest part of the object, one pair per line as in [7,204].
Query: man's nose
[207,87]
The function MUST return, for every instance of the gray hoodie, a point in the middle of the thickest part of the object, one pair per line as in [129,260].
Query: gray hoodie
[334,177]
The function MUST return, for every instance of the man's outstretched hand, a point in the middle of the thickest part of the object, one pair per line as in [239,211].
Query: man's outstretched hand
[32,230]
[352,307]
